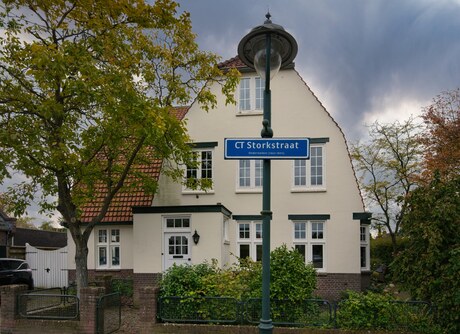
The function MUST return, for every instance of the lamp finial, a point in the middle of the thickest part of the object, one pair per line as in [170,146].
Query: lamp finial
[268,16]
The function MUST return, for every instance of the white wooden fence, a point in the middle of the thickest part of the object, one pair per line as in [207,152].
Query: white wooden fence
[49,267]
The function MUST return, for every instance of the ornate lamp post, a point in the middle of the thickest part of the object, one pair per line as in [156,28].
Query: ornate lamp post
[267,48]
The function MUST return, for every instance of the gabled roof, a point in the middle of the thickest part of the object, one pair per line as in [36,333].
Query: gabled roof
[120,210]
[234,62]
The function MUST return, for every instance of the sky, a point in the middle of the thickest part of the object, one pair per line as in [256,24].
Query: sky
[365,60]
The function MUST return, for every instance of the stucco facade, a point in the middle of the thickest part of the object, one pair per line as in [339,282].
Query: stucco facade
[316,205]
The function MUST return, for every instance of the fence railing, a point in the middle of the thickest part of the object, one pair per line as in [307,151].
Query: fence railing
[314,312]
[108,313]
[309,312]
[48,304]
[199,310]
[405,315]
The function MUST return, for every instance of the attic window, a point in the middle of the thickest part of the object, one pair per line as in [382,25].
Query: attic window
[251,95]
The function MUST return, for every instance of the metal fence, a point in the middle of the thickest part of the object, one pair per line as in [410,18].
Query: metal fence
[405,315]
[309,312]
[108,313]
[199,310]
[314,312]
[51,303]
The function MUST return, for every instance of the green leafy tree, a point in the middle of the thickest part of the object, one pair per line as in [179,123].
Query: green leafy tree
[429,266]
[388,166]
[86,94]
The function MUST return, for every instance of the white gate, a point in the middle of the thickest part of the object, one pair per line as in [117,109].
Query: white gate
[49,267]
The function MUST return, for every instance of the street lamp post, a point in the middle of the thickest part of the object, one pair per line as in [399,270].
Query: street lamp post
[267,48]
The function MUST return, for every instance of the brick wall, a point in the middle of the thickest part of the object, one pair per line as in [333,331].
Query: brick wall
[98,275]
[329,286]
[143,280]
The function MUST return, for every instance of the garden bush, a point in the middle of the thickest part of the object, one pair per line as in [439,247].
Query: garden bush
[291,278]
[360,311]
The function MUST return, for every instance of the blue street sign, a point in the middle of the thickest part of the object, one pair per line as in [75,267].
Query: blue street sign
[267,148]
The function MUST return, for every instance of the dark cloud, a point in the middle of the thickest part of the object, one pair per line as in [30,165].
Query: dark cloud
[365,60]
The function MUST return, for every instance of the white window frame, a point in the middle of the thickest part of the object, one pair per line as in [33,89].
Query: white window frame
[308,240]
[255,177]
[110,244]
[306,171]
[199,171]
[253,96]
[364,237]
[225,237]
[254,240]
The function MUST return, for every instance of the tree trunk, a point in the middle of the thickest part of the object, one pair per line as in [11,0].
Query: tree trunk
[81,263]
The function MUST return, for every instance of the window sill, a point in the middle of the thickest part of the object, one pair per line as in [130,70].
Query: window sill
[250,113]
[197,192]
[248,191]
[108,269]
[308,190]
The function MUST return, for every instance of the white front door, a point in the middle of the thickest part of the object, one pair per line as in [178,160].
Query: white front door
[177,248]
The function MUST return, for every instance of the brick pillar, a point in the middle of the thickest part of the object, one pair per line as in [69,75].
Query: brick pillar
[8,307]
[88,303]
[148,300]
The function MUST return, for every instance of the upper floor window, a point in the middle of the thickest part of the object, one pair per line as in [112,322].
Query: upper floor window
[250,174]
[201,171]
[310,174]
[251,94]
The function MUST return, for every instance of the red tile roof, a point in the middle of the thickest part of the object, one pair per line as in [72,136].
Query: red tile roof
[234,62]
[120,210]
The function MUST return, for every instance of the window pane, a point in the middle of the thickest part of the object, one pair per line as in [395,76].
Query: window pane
[363,234]
[258,171]
[206,165]
[316,166]
[302,250]
[245,173]
[115,236]
[300,231]
[115,255]
[245,97]
[317,231]
[300,172]
[185,222]
[169,222]
[317,256]
[244,251]
[244,231]
[102,236]
[259,252]
[102,256]
[363,257]
[259,94]
[258,231]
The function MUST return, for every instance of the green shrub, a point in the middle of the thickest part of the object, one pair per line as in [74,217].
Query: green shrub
[375,311]
[291,278]
[185,280]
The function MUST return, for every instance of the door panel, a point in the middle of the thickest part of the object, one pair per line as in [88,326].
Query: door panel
[177,249]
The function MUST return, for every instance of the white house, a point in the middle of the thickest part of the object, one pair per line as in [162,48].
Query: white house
[316,203]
